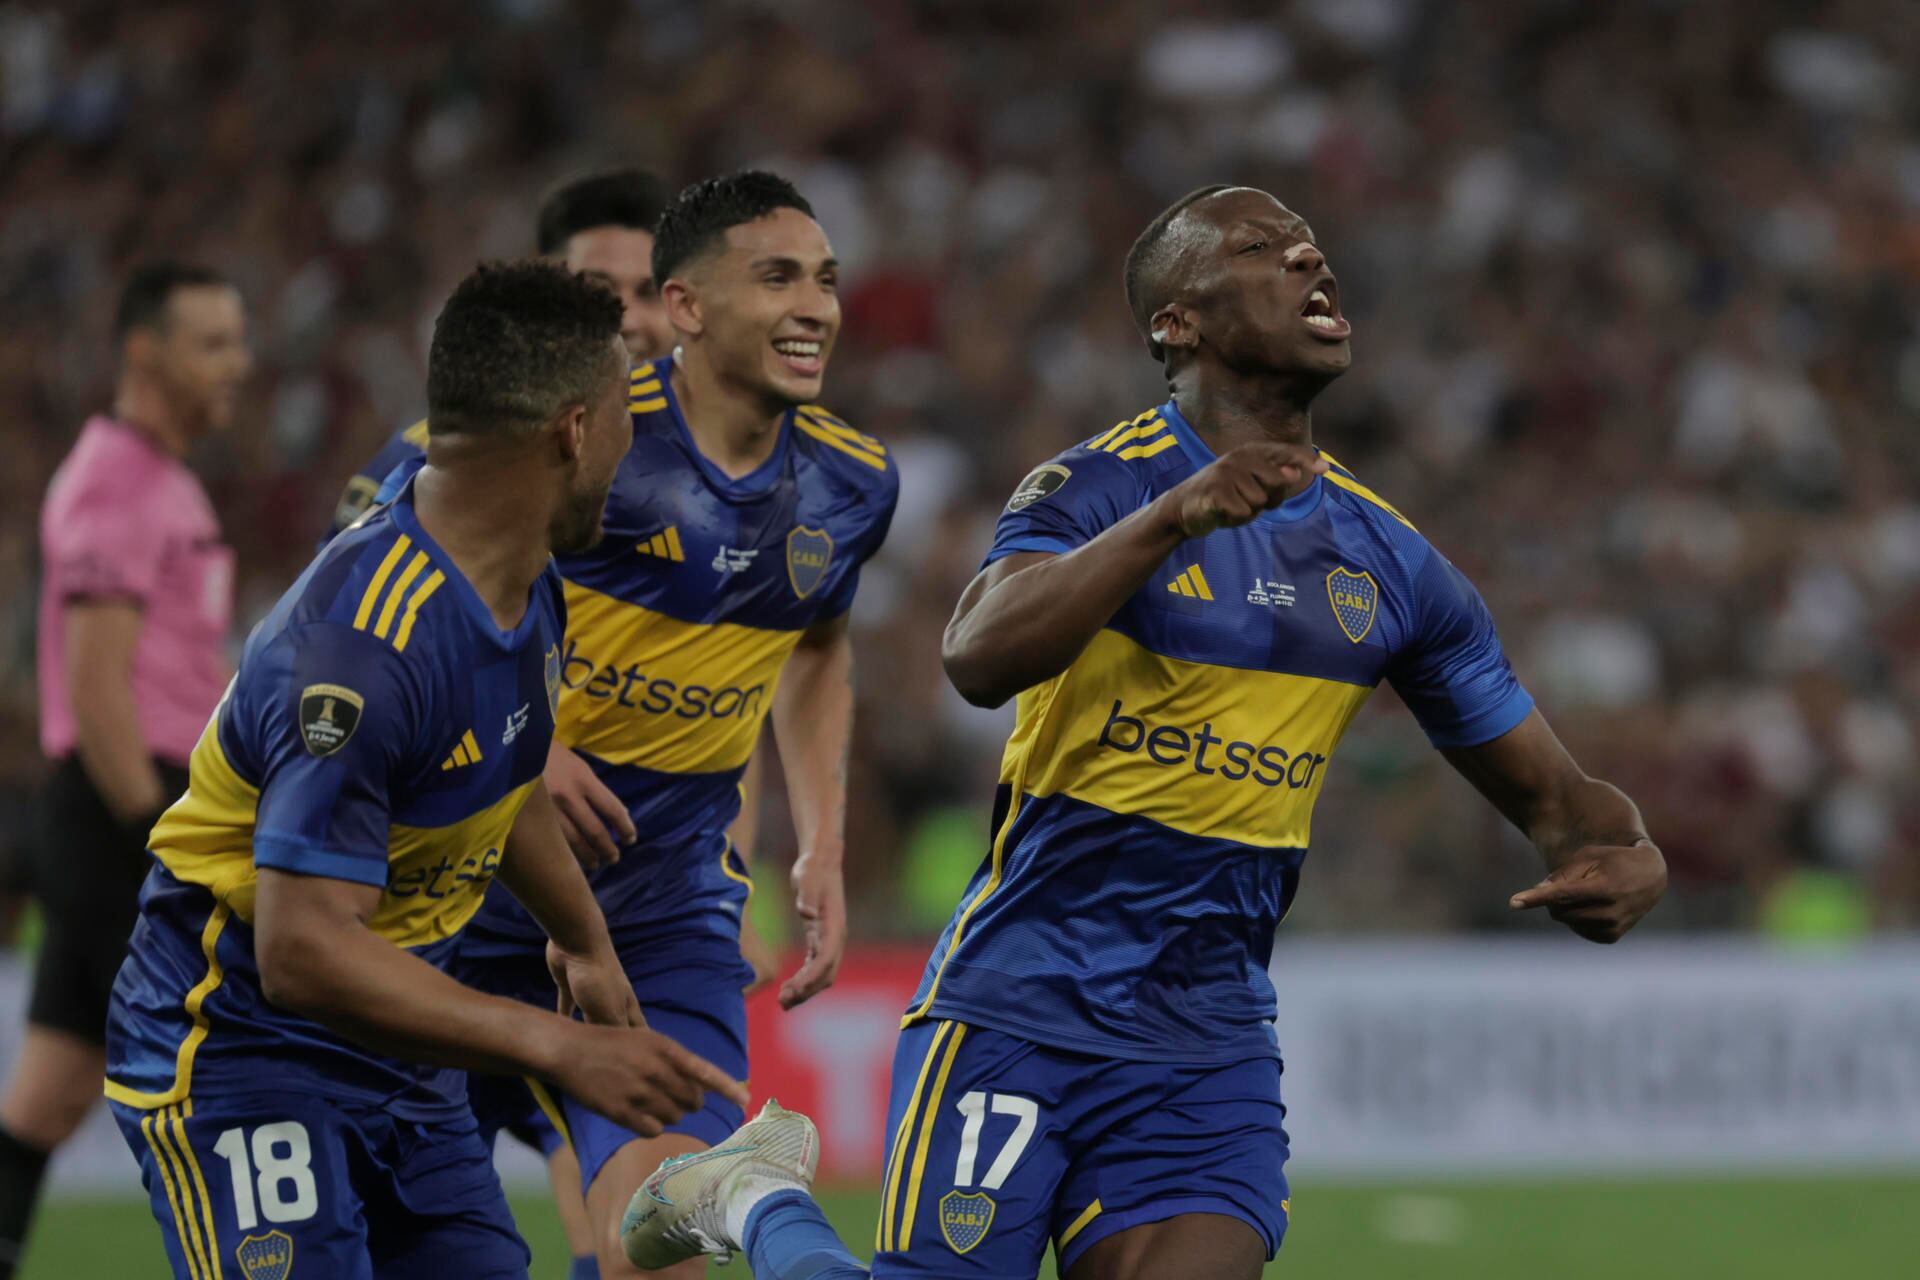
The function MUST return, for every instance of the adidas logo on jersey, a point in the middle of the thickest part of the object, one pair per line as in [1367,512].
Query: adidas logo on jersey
[465,752]
[665,544]
[1192,583]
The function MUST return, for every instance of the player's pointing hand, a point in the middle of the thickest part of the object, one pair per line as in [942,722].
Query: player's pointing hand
[639,1079]
[1602,891]
[1240,484]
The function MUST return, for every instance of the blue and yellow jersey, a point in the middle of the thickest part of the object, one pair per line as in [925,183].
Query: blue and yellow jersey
[679,624]
[366,487]
[381,729]
[1156,797]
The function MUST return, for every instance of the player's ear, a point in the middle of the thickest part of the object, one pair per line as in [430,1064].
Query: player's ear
[683,306]
[568,431]
[1173,327]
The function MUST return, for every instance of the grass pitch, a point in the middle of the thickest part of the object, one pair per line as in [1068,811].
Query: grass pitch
[1862,1228]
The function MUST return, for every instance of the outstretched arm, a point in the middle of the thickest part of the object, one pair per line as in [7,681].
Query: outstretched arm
[1603,871]
[1026,617]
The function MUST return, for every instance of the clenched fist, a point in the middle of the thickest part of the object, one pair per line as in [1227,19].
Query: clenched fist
[1240,484]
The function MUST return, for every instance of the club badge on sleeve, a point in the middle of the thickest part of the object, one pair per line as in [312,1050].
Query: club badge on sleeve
[329,713]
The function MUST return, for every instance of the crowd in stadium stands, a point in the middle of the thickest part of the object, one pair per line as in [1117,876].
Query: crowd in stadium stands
[1635,288]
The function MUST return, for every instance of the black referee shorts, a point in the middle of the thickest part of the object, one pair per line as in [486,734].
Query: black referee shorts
[87,876]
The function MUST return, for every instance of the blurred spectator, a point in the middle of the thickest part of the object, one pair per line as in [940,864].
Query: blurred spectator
[1636,290]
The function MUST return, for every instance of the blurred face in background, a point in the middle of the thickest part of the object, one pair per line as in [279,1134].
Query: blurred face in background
[622,258]
[765,310]
[197,356]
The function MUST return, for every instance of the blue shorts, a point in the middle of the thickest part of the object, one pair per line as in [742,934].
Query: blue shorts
[999,1145]
[698,1002]
[271,1185]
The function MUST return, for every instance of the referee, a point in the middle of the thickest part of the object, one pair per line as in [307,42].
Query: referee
[136,596]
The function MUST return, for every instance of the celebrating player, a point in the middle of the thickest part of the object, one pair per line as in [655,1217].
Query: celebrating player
[134,606]
[1190,606]
[286,1055]
[601,225]
[735,534]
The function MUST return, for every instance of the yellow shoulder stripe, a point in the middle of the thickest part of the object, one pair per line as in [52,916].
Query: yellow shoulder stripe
[1359,490]
[379,583]
[416,435]
[821,418]
[833,441]
[391,608]
[1153,426]
[1101,440]
[420,597]
[1161,445]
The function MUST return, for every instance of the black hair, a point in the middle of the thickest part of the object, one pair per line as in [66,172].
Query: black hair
[516,343]
[1150,263]
[609,198]
[144,298]
[702,213]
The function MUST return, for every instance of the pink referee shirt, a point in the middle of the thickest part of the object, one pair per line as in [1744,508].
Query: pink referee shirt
[126,520]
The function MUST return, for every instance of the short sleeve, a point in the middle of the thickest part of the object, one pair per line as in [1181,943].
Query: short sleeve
[1065,503]
[1454,676]
[106,551]
[840,599]
[338,716]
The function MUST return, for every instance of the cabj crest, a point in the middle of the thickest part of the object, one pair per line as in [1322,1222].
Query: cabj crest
[267,1257]
[965,1217]
[809,552]
[1356,599]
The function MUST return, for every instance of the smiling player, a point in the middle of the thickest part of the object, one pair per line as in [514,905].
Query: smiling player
[1090,1059]
[735,534]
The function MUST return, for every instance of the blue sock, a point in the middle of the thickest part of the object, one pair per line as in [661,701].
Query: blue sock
[787,1238]
[584,1269]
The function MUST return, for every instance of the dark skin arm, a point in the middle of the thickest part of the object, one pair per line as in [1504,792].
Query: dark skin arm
[1026,617]
[319,958]
[1603,871]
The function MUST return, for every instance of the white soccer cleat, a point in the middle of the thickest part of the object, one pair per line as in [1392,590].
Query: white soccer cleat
[680,1211]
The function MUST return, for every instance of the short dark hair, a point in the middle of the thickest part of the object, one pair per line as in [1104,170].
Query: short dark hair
[1150,263]
[516,343]
[608,198]
[702,213]
[144,298]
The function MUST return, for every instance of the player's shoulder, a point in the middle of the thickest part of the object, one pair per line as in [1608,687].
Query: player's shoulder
[1349,493]
[379,580]
[850,458]
[1118,461]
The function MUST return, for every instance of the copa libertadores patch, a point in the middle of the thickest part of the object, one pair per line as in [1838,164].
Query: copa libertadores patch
[329,713]
[1043,482]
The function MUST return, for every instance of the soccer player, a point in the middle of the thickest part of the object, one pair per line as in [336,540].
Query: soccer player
[135,600]
[735,535]
[286,1055]
[600,224]
[1190,606]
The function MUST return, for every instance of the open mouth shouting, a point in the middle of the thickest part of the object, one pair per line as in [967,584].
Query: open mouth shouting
[1322,312]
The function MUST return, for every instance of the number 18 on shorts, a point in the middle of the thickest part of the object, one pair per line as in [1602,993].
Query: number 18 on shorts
[274,1186]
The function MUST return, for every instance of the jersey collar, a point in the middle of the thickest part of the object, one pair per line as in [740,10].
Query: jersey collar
[756,482]
[1298,507]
